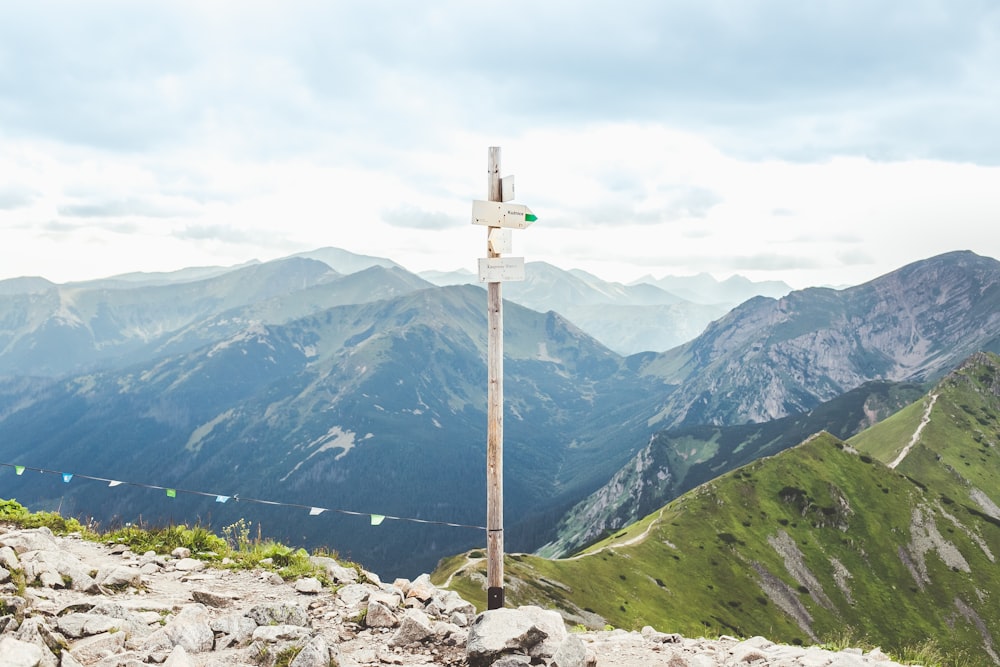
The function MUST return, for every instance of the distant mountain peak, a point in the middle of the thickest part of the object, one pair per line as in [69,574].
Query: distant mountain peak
[25,285]
[703,288]
[344,261]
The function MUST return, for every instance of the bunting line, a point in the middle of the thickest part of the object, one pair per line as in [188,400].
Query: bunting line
[171,492]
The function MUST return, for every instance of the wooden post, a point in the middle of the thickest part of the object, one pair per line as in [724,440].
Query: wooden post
[494,414]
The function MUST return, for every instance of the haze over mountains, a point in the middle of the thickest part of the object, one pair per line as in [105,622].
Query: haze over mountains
[648,314]
[364,390]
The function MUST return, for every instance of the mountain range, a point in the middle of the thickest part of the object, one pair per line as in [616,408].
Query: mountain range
[364,390]
[769,358]
[377,405]
[645,315]
[889,538]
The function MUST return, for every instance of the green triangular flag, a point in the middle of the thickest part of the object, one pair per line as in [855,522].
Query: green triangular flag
[19,470]
[377,519]
[171,493]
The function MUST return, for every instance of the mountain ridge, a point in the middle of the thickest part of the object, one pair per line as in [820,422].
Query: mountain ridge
[347,389]
[769,358]
[822,538]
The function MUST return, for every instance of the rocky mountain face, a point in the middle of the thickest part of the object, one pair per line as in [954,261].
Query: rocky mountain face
[892,535]
[770,358]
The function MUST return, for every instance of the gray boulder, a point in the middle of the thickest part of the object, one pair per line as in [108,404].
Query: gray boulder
[66,659]
[78,624]
[57,569]
[19,654]
[414,627]
[7,621]
[210,599]
[14,604]
[422,589]
[571,653]
[309,586]
[189,565]
[135,625]
[279,614]
[336,572]
[8,557]
[352,596]
[500,632]
[30,539]
[157,642]
[190,629]
[511,660]
[551,624]
[119,578]
[272,634]
[235,628]
[314,654]
[35,631]
[447,603]
[380,616]
[92,649]
[178,658]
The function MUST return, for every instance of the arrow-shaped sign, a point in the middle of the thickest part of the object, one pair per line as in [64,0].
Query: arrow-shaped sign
[501,214]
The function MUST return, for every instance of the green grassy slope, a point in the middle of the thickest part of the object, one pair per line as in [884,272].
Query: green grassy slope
[814,544]
[676,461]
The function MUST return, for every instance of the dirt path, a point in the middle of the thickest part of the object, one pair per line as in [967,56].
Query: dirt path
[924,421]
[468,561]
[625,543]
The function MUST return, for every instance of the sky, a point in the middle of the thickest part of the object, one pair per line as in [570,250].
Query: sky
[818,143]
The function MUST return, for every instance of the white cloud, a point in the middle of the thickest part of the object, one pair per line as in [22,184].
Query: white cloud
[814,142]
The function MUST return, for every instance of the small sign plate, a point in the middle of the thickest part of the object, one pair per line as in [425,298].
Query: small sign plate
[501,269]
[500,241]
[507,188]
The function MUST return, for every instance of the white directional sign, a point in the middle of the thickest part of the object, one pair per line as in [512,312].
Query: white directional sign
[501,214]
[501,269]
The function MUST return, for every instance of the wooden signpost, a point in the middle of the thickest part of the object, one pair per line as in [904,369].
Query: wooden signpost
[499,217]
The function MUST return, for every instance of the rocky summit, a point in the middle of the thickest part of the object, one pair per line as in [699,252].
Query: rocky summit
[68,602]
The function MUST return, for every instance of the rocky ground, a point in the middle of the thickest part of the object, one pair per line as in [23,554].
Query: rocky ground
[67,602]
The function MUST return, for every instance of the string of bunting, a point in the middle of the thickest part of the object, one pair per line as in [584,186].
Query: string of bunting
[171,492]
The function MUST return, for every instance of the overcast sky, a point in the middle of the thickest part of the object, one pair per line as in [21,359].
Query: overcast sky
[813,142]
